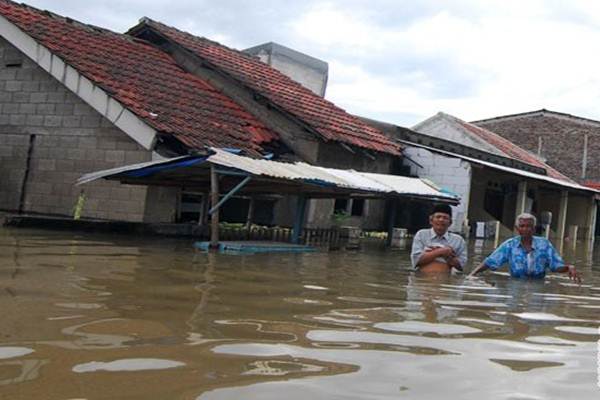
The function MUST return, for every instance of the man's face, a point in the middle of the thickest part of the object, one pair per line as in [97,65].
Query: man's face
[440,222]
[525,227]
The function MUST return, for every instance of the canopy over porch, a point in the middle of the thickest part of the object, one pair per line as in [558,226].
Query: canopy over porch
[218,170]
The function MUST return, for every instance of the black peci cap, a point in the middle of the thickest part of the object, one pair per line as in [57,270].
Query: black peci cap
[442,208]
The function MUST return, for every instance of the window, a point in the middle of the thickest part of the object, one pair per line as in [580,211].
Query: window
[358,206]
[341,205]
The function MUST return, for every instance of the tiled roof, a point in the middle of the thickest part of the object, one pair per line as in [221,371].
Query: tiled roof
[146,80]
[592,184]
[511,149]
[543,112]
[325,118]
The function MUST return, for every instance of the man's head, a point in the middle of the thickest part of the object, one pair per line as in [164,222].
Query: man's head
[441,218]
[525,224]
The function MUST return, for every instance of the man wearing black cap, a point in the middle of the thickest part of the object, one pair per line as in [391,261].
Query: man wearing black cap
[435,249]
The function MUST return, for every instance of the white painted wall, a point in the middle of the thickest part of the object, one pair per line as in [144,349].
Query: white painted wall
[446,127]
[447,172]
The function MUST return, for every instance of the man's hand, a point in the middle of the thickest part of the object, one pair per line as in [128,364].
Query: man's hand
[443,251]
[454,263]
[573,274]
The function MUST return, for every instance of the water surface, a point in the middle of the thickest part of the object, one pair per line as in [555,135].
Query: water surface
[117,317]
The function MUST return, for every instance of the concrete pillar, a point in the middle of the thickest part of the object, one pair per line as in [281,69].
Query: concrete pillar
[562,215]
[521,198]
[591,221]
[573,235]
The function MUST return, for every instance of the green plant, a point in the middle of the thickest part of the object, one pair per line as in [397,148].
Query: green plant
[340,216]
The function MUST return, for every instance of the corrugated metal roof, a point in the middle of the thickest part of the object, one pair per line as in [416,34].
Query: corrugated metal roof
[559,182]
[381,185]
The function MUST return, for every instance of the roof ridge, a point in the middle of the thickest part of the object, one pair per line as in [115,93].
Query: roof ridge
[349,125]
[536,112]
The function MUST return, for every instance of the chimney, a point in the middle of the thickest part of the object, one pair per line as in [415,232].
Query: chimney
[306,70]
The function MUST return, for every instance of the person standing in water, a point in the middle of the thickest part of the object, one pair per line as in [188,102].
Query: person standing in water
[435,249]
[528,256]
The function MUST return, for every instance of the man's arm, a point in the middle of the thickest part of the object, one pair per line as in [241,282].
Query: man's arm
[459,260]
[480,268]
[494,260]
[429,256]
[571,270]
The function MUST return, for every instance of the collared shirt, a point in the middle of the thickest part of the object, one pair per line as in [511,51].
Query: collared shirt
[523,264]
[428,238]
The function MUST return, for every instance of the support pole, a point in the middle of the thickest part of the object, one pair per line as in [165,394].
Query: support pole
[591,221]
[250,213]
[393,204]
[214,197]
[202,210]
[562,215]
[229,195]
[521,198]
[299,221]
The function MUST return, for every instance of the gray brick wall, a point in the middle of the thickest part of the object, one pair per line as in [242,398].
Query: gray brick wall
[71,139]
[562,141]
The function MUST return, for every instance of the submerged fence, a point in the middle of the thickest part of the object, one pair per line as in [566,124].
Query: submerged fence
[333,237]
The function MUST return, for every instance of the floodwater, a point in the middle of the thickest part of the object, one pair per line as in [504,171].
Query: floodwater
[115,317]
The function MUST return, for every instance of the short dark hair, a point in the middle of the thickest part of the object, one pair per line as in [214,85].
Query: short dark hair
[442,208]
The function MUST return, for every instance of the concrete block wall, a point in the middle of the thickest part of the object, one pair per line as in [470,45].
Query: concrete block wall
[68,138]
[450,173]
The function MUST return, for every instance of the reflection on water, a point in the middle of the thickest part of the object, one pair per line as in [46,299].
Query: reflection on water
[100,317]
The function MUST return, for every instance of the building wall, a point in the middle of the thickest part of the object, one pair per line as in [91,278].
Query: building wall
[438,126]
[65,138]
[578,213]
[319,212]
[557,133]
[304,69]
[449,173]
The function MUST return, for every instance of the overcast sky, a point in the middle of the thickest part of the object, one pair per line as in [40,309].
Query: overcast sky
[403,61]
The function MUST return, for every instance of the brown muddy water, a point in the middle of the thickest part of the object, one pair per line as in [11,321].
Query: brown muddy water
[115,317]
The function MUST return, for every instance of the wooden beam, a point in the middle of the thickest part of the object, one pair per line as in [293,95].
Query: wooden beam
[299,221]
[214,196]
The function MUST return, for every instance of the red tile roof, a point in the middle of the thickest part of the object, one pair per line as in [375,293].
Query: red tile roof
[325,118]
[592,184]
[146,80]
[511,149]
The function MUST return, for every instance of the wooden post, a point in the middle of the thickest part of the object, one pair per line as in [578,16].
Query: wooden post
[250,213]
[393,207]
[591,222]
[299,221]
[214,196]
[202,211]
[562,215]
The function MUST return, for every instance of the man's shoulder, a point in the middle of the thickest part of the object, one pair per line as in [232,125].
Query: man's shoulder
[540,240]
[510,242]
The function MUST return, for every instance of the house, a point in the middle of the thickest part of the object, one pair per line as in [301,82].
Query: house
[77,98]
[548,134]
[495,178]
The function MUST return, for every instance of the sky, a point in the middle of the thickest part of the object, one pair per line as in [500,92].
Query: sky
[403,61]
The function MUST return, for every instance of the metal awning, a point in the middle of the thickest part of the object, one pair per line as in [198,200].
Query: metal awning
[271,177]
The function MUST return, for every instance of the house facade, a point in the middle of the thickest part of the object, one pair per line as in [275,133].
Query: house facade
[77,98]
[495,179]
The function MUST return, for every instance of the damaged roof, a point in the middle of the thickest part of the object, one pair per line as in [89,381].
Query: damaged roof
[323,117]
